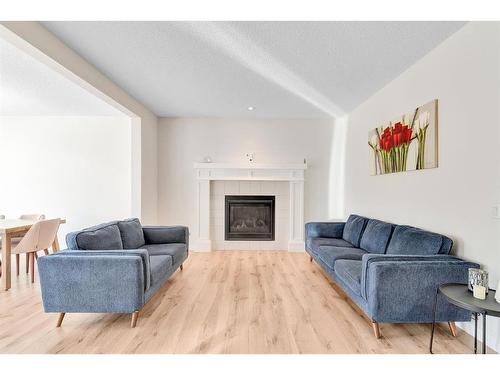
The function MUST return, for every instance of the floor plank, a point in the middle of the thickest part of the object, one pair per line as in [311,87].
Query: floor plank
[222,302]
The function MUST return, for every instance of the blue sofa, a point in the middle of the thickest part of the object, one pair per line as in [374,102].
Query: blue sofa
[114,267]
[391,272]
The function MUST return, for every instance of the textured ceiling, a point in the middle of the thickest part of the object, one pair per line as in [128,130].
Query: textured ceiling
[282,69]
[30,88]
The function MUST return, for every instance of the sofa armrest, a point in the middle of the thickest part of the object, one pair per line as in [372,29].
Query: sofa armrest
[94,281]
[402,288]
[325,229]
[164,234]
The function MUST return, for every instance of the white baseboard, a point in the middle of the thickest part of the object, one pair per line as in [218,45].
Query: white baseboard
[201,246]
[206,246]
[296,246]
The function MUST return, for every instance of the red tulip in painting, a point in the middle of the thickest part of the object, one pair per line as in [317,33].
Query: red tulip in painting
[401,146]
[393,147]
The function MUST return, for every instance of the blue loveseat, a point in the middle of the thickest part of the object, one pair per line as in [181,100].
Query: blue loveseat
[114,267]
[391,272]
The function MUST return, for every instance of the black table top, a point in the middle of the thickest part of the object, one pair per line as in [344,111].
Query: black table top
[459,295]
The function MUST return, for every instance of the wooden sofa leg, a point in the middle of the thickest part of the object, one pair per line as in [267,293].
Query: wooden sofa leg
[60,319]
[310,259]
[453,329]
[133,322]
[376,329]
[182,267]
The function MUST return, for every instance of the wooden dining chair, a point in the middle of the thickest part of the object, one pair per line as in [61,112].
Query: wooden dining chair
[40,236]
[16,240]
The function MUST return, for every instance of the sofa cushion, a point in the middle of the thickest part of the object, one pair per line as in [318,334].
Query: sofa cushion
[376,236]
[159,265]
[408,240]
[178,251]
[131,233]
[353,229]
[349,272]
[101,237]
[315,242]
[330,254]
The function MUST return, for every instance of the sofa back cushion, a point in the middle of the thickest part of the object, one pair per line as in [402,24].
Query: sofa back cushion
[131,233]
[376,236]
[446,246]
[414,241]
[353,229]
[101,237]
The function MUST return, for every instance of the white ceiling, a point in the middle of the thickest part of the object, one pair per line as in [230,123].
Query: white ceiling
[283,69]
[30,88]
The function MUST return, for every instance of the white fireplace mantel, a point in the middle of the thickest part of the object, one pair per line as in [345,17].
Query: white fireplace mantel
[294,173]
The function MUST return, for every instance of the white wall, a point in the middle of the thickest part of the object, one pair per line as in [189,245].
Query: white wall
[456,198]
[78,168]
[183,141]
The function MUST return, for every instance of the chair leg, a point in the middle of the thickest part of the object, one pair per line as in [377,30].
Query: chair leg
[133,322]
[376,329]
[18,259]
[27,263]
[60,319]
[453,329]
[182,267]
[32,267]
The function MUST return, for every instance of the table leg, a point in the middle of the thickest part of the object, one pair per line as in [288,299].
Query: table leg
[433,321]
[484,332]
[55,245]
[6,245]
[475,332]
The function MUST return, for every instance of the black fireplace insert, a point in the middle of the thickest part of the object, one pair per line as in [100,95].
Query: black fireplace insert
[249,218]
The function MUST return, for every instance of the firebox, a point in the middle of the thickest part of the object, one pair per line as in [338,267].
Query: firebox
[249,218]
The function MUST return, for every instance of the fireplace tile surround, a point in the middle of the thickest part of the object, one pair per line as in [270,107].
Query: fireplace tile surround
[216,180]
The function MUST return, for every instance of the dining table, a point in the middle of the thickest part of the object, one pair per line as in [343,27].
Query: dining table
[11,228]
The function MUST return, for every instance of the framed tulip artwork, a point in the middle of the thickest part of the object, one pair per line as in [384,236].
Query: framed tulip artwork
[407,143]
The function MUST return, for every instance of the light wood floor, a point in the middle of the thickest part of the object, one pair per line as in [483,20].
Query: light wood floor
[222,302]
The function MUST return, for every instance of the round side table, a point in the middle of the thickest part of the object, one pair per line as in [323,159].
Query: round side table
[459,295]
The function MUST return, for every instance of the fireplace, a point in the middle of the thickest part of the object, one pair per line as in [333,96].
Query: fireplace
[249,218]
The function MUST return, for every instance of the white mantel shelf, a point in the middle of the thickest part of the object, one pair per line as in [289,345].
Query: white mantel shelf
[294,173]
[250,171]
[248,165]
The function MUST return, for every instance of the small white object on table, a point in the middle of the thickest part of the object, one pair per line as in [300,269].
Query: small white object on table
[479,292]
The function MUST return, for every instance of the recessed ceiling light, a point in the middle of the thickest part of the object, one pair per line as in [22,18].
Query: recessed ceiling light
[250,108]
